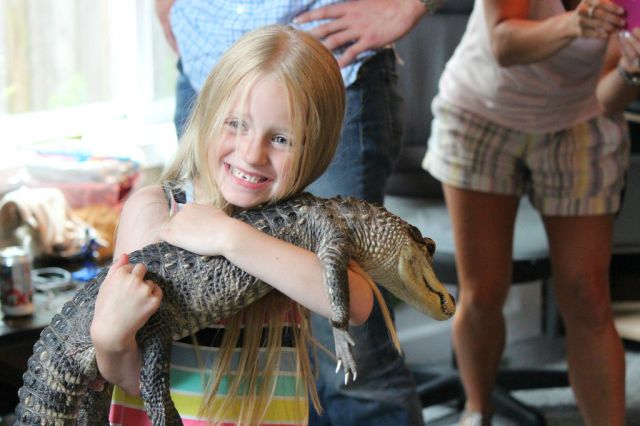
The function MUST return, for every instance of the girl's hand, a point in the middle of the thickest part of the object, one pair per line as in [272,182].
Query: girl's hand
[124,304]
[597,18]
[199,228]
[630,50]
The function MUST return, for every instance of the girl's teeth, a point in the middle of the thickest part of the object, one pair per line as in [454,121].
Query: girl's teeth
[252,179]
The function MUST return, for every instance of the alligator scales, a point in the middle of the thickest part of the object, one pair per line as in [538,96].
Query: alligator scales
[200,290]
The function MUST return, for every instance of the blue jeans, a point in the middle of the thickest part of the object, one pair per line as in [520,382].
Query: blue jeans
[384,392]
[185,97]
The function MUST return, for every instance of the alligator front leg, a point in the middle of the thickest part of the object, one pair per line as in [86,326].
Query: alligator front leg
[337,282]
[155,338]
[333,252]
[343,342]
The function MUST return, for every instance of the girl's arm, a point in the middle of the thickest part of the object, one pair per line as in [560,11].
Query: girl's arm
[294,271]
[125,300]
[515,39]
[613,92]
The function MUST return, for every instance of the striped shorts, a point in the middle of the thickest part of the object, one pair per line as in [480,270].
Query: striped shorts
[576,171]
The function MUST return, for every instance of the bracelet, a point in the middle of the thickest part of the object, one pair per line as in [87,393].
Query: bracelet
[431,5]
[630,78]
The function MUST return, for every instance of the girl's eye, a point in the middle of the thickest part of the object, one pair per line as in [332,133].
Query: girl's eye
[281,140]
[235,124]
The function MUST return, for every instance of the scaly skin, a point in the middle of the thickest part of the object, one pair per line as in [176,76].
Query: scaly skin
[199,291]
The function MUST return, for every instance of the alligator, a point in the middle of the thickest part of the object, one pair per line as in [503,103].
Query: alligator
[58,386]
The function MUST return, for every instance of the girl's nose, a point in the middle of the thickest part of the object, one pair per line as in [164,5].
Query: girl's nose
[254,150]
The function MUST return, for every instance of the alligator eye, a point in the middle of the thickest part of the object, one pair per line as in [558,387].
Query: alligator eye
[431,246]
[415,234]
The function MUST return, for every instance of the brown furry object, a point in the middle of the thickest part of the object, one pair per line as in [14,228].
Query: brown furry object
[104,220]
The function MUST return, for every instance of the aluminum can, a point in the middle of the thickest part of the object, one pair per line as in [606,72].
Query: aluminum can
[15,281]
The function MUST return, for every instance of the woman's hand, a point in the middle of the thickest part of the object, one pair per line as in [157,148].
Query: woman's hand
[199,228]
[597,19]
[124,304]
[630,51]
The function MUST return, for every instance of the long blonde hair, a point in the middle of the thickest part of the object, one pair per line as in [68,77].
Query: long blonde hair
[316,98]
[315,88]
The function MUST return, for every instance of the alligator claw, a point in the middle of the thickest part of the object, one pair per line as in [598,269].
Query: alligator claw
[343,343]
[347,374]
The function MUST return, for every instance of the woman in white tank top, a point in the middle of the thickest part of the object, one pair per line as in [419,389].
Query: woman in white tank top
[531,103]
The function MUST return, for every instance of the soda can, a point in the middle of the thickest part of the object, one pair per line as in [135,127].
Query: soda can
[15,281]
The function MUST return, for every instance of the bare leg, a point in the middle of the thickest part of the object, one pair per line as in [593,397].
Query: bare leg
[483,231]
[581,254]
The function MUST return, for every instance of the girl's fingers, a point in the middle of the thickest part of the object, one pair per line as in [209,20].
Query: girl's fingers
[139,270]
[156,290]
[122,261]
[124,258]
[152,286]
[152,290]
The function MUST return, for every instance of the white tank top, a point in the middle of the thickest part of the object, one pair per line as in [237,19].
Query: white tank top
[543,97]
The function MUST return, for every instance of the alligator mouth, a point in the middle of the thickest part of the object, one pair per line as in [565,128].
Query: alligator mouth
[443,299]
[443,303]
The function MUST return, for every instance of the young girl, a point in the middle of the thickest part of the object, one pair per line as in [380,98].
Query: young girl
[265,125]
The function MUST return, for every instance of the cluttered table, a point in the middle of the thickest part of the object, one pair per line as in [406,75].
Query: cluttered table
[46,305]
[54,283]
[59,202]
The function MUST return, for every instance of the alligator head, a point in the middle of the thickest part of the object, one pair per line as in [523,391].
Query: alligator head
[419,287]
[407,271]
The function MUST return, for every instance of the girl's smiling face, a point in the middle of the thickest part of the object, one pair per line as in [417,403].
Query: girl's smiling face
[253,157]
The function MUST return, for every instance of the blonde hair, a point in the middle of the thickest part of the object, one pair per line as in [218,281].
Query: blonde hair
[316,99]
[312,79]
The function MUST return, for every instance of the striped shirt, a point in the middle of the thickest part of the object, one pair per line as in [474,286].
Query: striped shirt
[205,29]
[190,374]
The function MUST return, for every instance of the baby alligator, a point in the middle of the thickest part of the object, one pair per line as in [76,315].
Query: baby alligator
[199,291]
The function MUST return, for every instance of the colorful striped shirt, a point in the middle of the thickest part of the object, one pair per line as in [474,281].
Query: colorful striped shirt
[191,368]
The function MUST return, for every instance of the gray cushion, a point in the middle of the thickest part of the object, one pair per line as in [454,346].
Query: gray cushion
[424,53]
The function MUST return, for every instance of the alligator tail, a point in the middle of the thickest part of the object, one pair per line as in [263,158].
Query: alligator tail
[60,369]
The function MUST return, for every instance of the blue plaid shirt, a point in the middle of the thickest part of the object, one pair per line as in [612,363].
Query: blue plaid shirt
[204,30]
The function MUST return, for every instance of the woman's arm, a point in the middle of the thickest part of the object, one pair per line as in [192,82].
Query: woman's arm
[515,39]
[614,92]
[293,271]
[125,300]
